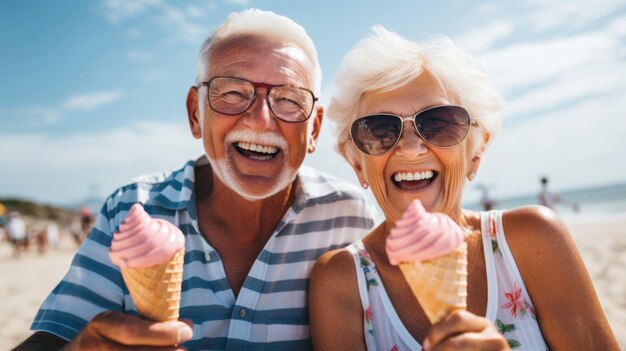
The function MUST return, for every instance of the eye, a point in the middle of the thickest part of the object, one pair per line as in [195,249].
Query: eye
[233,97]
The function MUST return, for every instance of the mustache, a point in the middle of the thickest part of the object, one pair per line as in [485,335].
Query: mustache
[265,138]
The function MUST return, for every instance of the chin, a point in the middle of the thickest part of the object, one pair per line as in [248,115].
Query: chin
[252,190]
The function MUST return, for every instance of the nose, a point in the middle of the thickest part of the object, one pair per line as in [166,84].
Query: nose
[410,145]
[259,116]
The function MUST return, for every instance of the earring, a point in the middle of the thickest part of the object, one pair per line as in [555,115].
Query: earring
[365,185]
[471,176]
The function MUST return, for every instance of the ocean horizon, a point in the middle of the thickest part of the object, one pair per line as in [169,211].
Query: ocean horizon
[603,199]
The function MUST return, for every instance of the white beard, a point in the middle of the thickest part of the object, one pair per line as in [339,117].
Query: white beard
[225,171]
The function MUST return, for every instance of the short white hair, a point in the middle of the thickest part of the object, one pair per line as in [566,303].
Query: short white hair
[386,61]
[256,22]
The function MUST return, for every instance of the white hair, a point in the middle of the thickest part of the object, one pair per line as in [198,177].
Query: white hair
[386,61]
[265,24]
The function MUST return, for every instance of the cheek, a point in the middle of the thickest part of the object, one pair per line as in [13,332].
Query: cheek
[453,179]
[297,138]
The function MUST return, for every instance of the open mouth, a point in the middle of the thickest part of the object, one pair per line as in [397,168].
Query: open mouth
[413,180]
[256,152]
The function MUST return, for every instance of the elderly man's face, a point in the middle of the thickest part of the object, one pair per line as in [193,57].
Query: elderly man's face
[254,153]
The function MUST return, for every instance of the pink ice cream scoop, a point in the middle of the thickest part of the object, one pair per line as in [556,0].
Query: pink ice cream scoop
[143,241]
[420,235]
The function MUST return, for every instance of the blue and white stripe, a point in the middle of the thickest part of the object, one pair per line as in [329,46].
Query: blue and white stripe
[270,312]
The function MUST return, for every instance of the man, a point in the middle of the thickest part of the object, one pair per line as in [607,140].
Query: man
[16,232]
[255,219]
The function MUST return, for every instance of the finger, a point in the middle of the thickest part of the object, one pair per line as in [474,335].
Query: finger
[111,345]
[132,330]
[472,341]
[455,323]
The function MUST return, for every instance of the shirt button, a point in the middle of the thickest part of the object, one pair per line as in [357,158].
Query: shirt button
[242,313]
[207,257]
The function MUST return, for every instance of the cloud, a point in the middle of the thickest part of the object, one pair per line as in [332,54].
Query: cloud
[536,75]
[38,115]
[484,37]
[74,163]
[91,101]
[179,24]
[544,15]
[119,10]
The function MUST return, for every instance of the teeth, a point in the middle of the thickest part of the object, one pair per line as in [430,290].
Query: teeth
[398,177]
[266,149]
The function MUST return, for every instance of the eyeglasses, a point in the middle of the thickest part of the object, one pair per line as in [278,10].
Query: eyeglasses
[233,96]
[441,126]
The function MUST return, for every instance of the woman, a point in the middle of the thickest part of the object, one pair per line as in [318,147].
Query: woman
[525,275]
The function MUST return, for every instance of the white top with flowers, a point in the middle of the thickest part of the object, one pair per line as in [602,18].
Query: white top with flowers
[509,307]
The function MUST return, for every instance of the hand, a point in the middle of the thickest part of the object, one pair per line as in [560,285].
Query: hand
[462,330]
[118,331]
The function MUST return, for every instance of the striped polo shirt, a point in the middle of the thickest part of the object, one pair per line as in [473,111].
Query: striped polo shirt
[270,312]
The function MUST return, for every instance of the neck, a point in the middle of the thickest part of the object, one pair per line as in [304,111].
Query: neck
[221,207]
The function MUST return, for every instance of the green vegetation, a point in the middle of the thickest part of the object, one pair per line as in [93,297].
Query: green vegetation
[38,211]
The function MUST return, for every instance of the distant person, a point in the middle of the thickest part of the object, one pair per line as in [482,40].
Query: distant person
[52,234]
[41,237]
[2,214]
[546,196]
[76,230]
[486,201]
[86,221]
[17,234]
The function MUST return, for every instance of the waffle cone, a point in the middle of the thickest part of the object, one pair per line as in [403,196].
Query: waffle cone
[156,290]
[439,284]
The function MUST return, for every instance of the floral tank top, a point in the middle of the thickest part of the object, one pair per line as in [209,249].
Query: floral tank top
[508,304]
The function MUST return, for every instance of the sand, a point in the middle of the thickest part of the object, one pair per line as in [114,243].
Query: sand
[28,280]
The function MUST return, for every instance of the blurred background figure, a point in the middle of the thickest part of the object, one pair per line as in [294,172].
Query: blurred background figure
[86,221]
[76,230]
[3,210]
[16,232]
[52,235]
[486,201]
[546,196]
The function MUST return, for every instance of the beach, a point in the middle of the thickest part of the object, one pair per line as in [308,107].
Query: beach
[27,280]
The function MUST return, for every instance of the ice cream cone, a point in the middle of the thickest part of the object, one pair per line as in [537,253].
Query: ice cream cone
[150,253]
[156,290]
[439,284]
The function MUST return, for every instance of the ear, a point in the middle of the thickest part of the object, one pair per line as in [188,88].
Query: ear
[317,127]
[479,151]
[193,113]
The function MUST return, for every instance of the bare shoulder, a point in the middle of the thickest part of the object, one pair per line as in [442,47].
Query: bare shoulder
[540,242]
[333,266]
[532,225]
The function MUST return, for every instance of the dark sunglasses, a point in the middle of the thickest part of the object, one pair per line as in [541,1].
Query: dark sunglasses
[440,126]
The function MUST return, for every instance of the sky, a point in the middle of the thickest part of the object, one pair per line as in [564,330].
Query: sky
[93,92]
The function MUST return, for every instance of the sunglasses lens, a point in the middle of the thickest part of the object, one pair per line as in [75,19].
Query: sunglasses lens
[443,126]
[376,134]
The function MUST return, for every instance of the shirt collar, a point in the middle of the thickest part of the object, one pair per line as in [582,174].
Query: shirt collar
[177,191]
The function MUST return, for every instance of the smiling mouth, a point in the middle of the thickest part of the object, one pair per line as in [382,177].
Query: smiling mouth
[256,152]
[413,180]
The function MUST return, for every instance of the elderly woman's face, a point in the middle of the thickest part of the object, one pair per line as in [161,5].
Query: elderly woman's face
[440,171]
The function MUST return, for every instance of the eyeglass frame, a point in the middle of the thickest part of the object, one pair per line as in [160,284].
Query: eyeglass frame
[472,123]
[256,85]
